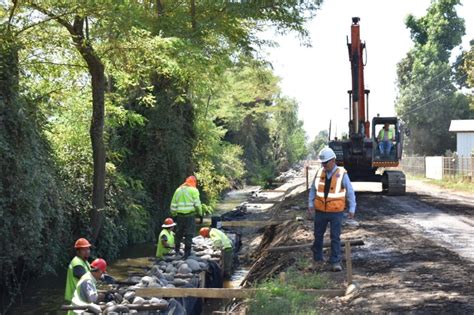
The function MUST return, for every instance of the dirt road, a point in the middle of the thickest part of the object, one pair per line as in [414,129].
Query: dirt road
[418,257]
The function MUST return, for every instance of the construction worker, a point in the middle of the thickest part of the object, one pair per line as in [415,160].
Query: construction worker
[185,205]
[327,200]
[385,138]
[222,242]
[166,238]
[77,267]
[85,293]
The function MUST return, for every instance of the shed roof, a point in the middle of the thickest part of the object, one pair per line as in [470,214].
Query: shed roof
[465,125]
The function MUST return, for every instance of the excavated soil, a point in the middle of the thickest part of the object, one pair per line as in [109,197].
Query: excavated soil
[418,255]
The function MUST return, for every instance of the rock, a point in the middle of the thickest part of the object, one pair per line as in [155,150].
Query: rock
[207,257]
[138,300]
[170,285]
[129,296]
[179,282]
[146,280]
[169,277]
[203,265]
[118,297]
[193,264]
[170,269]
[155,271]
[184,268]
[155,300]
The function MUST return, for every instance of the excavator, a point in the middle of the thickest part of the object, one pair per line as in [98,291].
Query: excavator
[360,152]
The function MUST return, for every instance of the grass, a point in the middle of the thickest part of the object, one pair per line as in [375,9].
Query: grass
[454,183]
[277,298]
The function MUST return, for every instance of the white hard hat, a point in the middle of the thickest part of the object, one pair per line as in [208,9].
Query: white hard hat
[326,154]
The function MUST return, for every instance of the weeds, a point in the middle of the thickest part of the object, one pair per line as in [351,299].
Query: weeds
[276,297]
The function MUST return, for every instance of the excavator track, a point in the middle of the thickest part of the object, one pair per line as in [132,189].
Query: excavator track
[393,183]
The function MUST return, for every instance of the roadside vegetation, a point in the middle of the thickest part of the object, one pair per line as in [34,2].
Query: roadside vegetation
[282,296]
[106,107]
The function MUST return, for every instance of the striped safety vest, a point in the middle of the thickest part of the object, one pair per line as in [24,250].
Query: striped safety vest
[186,201]
[336,198]
[220,239]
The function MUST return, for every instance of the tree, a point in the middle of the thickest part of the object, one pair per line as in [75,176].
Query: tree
[428,99]
[319,142]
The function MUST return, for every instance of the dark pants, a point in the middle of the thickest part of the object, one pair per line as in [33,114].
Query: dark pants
[185,228]
[227,262]
[321,220]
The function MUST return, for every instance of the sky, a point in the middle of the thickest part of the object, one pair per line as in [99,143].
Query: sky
[318,77]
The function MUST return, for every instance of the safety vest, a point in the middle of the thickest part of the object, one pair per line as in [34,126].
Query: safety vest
[389,135]
[78,299]
[220,239]
[336,198]
[71,281]
[186,201]
[161,250]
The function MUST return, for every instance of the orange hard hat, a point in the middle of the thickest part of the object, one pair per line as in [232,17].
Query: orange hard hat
[82,243]
[204,232]
[168,223]
[191,181]
[100,264]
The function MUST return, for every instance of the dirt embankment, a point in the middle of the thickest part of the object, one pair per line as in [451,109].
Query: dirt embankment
[416,258]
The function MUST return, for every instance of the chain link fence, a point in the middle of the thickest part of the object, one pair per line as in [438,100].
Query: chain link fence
[452,168]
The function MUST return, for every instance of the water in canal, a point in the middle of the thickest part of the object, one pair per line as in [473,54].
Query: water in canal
[45,295]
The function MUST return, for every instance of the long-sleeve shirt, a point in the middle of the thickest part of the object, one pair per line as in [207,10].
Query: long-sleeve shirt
[346,182]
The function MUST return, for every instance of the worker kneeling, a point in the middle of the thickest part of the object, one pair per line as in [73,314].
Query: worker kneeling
[86,290]
[166,238]
[221,241]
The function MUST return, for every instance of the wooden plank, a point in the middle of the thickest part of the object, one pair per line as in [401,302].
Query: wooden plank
[138,307]
[222,293]
[309,245]
[249,223]
[274,190]
[348,262]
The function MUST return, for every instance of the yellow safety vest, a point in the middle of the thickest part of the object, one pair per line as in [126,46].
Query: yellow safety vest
[220,239]
[186,201]
[161,250]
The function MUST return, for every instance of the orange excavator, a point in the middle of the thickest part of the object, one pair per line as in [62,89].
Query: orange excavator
[369,147]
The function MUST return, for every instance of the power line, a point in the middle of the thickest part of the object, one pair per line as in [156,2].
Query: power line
[445,70]
[429,102]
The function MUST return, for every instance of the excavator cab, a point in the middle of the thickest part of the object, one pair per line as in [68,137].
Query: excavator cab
[387,138]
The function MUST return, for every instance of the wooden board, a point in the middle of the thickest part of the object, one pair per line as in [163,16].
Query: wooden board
[222,293]
[309,245]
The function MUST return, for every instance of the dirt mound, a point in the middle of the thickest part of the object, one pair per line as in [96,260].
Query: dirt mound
[267,264]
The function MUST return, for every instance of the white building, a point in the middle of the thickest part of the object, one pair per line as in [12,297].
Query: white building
[464,130]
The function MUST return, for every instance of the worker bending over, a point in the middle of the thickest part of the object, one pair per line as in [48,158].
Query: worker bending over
[221,241]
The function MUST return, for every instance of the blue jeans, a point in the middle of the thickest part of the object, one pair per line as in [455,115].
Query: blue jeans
[321,220]
[385,147]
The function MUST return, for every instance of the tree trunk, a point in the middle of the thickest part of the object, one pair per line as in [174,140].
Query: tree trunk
[97,72]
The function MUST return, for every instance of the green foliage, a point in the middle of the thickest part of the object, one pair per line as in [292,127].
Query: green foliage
[183,95]
[319,142]
[33,224]
[428,99]
[275,297]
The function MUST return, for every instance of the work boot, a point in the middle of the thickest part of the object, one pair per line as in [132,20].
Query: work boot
[336,267]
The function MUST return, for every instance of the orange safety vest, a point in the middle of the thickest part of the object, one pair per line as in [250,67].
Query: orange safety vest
[336,199]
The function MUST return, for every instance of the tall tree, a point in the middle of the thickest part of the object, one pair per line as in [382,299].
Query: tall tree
[427,98]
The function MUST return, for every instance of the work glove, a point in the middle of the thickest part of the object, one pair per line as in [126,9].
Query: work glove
[310,214]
